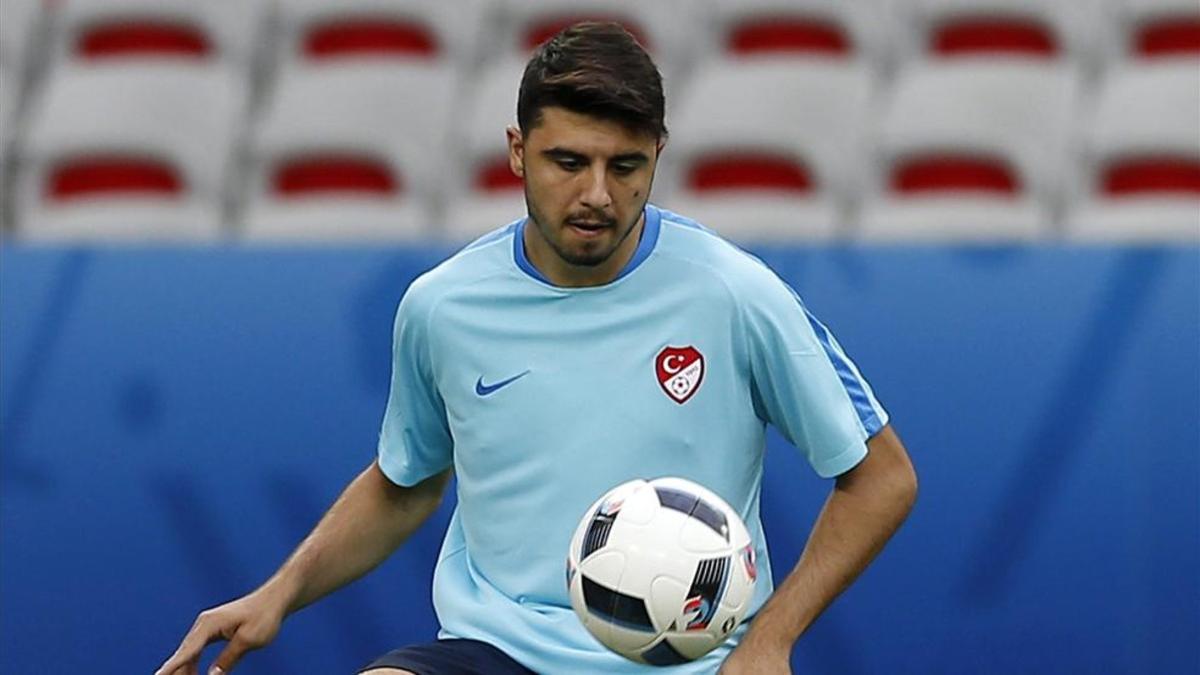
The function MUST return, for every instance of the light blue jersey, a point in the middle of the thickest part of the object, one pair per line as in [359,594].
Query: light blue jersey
[542,398]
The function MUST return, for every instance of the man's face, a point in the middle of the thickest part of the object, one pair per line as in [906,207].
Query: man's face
[587,181]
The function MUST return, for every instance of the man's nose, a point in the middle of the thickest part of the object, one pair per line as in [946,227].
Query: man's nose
[596,195]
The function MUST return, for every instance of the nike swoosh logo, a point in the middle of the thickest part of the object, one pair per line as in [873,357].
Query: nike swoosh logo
[488,389]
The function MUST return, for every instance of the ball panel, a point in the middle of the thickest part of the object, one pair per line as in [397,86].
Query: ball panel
[666,602]
[698,538]
[650,551]
[692,646]
[616,607]
[663,654]
[604,567]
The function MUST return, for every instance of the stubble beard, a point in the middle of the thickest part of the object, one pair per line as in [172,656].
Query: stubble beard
[581,258]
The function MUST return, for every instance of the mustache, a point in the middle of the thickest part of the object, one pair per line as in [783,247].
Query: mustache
[591,218]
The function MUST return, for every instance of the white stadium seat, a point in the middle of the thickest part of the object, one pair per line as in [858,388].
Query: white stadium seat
[767,149]
[1141,175]
[350,152]
[799,28]
[315,32]
[991,29]
[118,31]
[136,152]
[484,194]
[971,151]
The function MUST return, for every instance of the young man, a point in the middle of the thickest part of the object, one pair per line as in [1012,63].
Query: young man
[531,365]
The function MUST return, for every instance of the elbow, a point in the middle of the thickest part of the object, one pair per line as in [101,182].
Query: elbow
[908,488]
[904,485]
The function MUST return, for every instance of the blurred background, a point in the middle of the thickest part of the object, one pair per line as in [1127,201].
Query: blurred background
[209,209]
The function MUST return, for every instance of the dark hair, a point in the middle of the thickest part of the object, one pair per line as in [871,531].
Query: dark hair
[595,69]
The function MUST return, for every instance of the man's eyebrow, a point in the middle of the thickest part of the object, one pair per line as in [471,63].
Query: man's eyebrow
[563,153]
[638,157]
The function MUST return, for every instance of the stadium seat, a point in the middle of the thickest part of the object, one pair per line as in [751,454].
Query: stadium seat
[991,29]
[484,193]
[799,28]
[118,31]
[316,32]
[971,151]
[1154,30]
[19,31]
[766,149]
[135,152]
[8,110]
[1141,175]
[663,27]
[350,152]
[8,114]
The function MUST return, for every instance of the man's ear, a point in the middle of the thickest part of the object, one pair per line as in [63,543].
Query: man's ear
[516,151]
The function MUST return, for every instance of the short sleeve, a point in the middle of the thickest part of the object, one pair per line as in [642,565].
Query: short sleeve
[803,382]
[415,440]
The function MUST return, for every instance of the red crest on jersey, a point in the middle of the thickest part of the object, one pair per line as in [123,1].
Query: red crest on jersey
[680,371]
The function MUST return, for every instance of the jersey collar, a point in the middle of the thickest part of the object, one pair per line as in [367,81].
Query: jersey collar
[649,238]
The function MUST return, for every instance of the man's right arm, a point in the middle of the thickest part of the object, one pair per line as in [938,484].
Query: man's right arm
[369,521]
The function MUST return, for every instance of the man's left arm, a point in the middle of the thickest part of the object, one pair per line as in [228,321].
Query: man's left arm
[868,503]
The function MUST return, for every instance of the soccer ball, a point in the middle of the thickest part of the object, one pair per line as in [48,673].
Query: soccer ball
[661,571]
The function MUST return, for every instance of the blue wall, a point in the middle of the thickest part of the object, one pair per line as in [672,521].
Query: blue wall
[174,421]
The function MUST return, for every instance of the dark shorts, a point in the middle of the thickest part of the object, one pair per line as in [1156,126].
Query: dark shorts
[451,657]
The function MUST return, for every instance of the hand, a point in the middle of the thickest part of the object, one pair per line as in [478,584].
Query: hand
[247,623]
[753,658]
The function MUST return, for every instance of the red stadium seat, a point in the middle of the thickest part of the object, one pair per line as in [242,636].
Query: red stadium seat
[1140,169]
[767,149]
[948,173]
[543,28]
[799,29]
[1172,36]
[1153,30]
[142,38]
[483,192]
[788,34]
[1152,176]
[366,37]
[1052,32]
[748,171]
[972,151]
[320,32]
[994,35]
[522,25]
[496,176]
[140,151]
[347,151]
[119,31]
[87,177]
[334,175]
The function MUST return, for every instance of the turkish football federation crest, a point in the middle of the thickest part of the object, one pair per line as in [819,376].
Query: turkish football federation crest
[680,371]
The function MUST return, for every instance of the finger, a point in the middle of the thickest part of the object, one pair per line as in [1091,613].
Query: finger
[229,656]
[189,650]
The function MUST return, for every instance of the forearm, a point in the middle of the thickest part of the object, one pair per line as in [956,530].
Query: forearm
[369,521]
[864,509]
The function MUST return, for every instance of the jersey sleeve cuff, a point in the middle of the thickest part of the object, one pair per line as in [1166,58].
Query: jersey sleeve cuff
[842,462]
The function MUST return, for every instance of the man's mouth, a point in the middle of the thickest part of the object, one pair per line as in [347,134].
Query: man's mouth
[589,228]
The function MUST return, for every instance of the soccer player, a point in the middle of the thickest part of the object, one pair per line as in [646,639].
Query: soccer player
[598,340]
